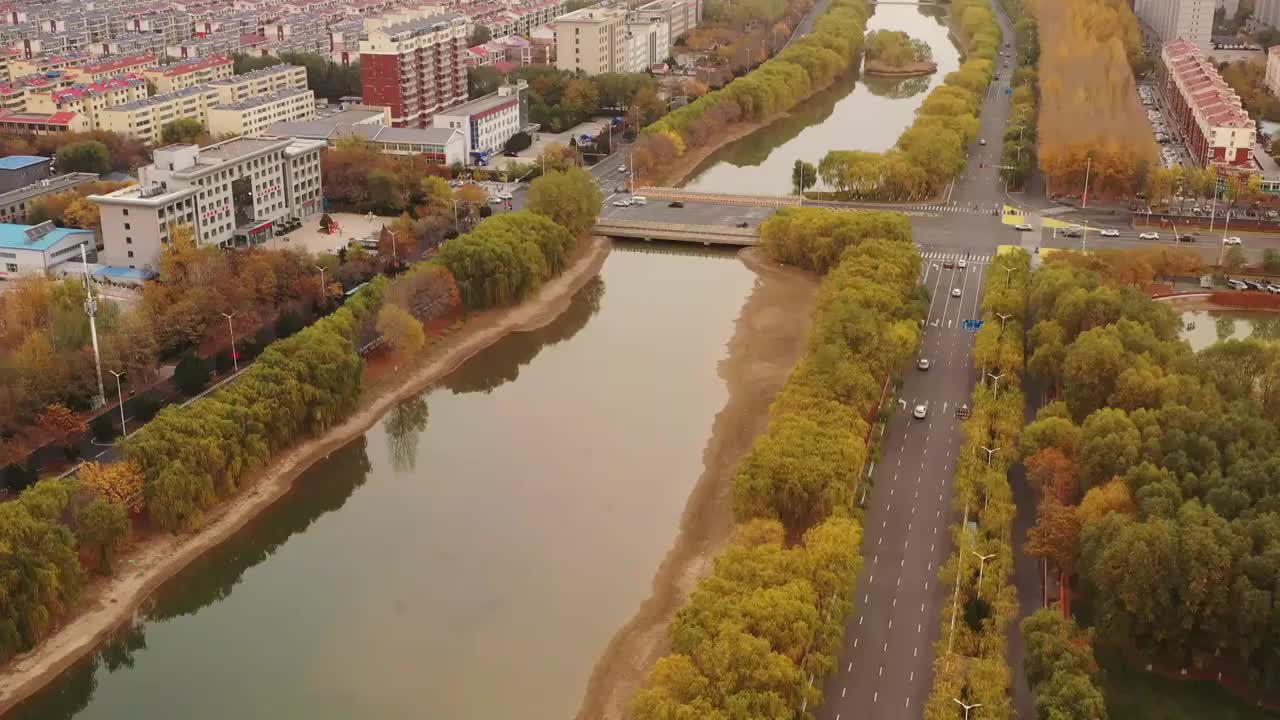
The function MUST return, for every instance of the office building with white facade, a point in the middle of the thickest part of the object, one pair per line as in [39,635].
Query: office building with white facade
[231,193]
[487,123]
[592,40]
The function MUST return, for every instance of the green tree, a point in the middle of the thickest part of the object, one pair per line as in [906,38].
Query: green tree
[102,527]
[803,176]
[481,35]
[402,330]
[482,80]
[191,374]
[88,156]
[570,198]
[183,130]
[1235,259]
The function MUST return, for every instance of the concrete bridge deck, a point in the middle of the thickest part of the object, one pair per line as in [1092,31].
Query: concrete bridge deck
[678,232]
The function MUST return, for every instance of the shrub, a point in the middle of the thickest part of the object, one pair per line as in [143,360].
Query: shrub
[102,426]
[192,374]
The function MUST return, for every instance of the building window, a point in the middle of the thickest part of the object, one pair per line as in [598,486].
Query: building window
[130,253]
[126,211]
[11,267]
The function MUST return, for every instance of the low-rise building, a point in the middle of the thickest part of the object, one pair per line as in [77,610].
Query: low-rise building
[144,119]
[442,146]
[231,193]
[189,73]
[21,170]
[89,99]
[26,123]
[1209,113]
[255,114]
[487,123]
[15,204]
[260,82]
[37,249]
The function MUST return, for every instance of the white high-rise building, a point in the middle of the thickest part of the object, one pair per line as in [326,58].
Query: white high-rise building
[1267,12]
[1170,20]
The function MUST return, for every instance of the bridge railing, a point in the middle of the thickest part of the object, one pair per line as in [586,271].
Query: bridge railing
[717,230]
[665,193]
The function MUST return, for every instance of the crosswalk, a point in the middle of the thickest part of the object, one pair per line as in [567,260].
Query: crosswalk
[965,209]
[972,258]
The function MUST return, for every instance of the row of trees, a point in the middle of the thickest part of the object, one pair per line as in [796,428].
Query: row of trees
[971,664]
[1157,470]
[806,66]
[186,460]
[559,99]
[770,615]
[932,151]
[1090,105]
[122,153]
[815,239]
[1248,79]
[1018,150]
[1060,668]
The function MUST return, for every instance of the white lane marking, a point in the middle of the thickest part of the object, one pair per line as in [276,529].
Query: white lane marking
[843,691]
[875,697]
[850,668]
[914,653]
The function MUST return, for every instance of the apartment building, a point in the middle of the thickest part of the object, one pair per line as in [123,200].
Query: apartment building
[264,81]
[27,123]
[90,99]
[144,119]
[681,16]
[1267,12]
[416,68]
[41,63]
[100,69]
[14,94]
[1170,20]
[189,73]
[591,40]
[231,194]
[252,116]
[648,42]
[487,123]
[1210,114]
[15,204]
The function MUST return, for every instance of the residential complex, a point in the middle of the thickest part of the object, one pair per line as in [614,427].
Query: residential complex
[16,204]
[89,100]
[26,123]
[1208,112]
[189,73]
[1170,20]
[232,193]
[487,123]
[442,146]
[145,119]
[252,116]
[417,68]
[260,82]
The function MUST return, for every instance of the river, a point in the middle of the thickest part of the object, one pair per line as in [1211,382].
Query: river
[471,555]
[851,114]
[1202,328]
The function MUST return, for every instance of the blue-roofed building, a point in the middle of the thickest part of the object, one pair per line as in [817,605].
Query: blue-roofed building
[38,249]
[18,171]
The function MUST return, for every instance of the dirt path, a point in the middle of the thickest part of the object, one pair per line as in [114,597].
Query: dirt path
[108,603]
[768,339]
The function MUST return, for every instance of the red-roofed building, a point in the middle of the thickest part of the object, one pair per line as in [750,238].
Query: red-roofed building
[110,67]
[88,99]
[42,123]
[180,76]
[1209,114]
[14,94]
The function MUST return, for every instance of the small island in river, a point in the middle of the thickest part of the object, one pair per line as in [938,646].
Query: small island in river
[893,53]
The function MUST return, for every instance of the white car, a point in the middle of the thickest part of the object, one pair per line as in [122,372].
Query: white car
[622,168]
[955,292]
[1273,288]
[1023,227]
[1110,232]
[622,203]
[1233,240]
[1149,236]
[962,264]
[494,200]
[921,412]
[923,364]
[982,141]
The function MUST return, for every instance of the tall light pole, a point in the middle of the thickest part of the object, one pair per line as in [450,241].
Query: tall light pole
[235,363]
[990,452]
[996,383]
[1008,275]
[982,565]
[967,708]
[324,295]
[1003,317]
[1084,199]
[91,309]
[120,396]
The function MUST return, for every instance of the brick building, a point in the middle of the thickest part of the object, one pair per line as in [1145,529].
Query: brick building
[416,68]
[1207,111]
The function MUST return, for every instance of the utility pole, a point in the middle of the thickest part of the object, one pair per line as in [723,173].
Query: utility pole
[1084,199]
[120,396]
[1003,317]
[91,309]
[996,383]
[967,708]
[982,565]
[235,362]
[324,295]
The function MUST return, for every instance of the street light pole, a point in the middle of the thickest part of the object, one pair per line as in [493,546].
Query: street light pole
[1003,317]
[982,565]
[996,383]
[990,452]
[1008,275]
[1084,199]
[235,363]
[324,295]
[120,396]
[91,309]
[967,708]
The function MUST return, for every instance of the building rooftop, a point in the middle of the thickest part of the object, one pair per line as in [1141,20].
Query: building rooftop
[323,127]
[83,90]
[48,185]
[254,74]
[196,65]
[426,24]
[328,128]
[163,97]
[40,237]
[236,148]
[480,104]
[17,162]
[58,118]
[119,63]
[260,100]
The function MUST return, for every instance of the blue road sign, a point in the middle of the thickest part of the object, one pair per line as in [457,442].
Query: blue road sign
[972,325]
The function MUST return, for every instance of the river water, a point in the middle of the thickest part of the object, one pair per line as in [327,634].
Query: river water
[851,114]
[1202,328]
[471,555]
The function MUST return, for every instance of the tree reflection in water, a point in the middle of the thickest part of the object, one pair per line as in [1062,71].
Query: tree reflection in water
[404,425]
[896,88]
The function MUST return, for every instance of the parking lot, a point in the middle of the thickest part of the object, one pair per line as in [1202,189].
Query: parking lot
[1166,134]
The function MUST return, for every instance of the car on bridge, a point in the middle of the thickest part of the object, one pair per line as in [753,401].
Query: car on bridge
[1149,236]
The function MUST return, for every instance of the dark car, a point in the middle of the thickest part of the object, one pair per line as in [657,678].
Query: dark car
[676,204]
[511,153]
[621,189]
[1186,238]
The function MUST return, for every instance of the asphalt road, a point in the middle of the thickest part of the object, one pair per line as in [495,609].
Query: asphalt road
[884,669]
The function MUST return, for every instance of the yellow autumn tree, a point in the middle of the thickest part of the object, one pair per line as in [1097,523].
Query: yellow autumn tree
[119,483]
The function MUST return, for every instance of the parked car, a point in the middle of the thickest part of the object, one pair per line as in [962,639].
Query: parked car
[1273,288]
[675,204]
[1237,285]
[1233,240]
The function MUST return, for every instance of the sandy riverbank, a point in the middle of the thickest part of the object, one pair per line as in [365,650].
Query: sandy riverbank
[768,339]
[876,68]
[108,603]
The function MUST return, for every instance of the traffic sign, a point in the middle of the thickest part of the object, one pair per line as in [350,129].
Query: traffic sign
[972,325]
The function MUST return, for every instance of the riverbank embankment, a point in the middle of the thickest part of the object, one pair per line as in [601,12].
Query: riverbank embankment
[110,602]
[769,338]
